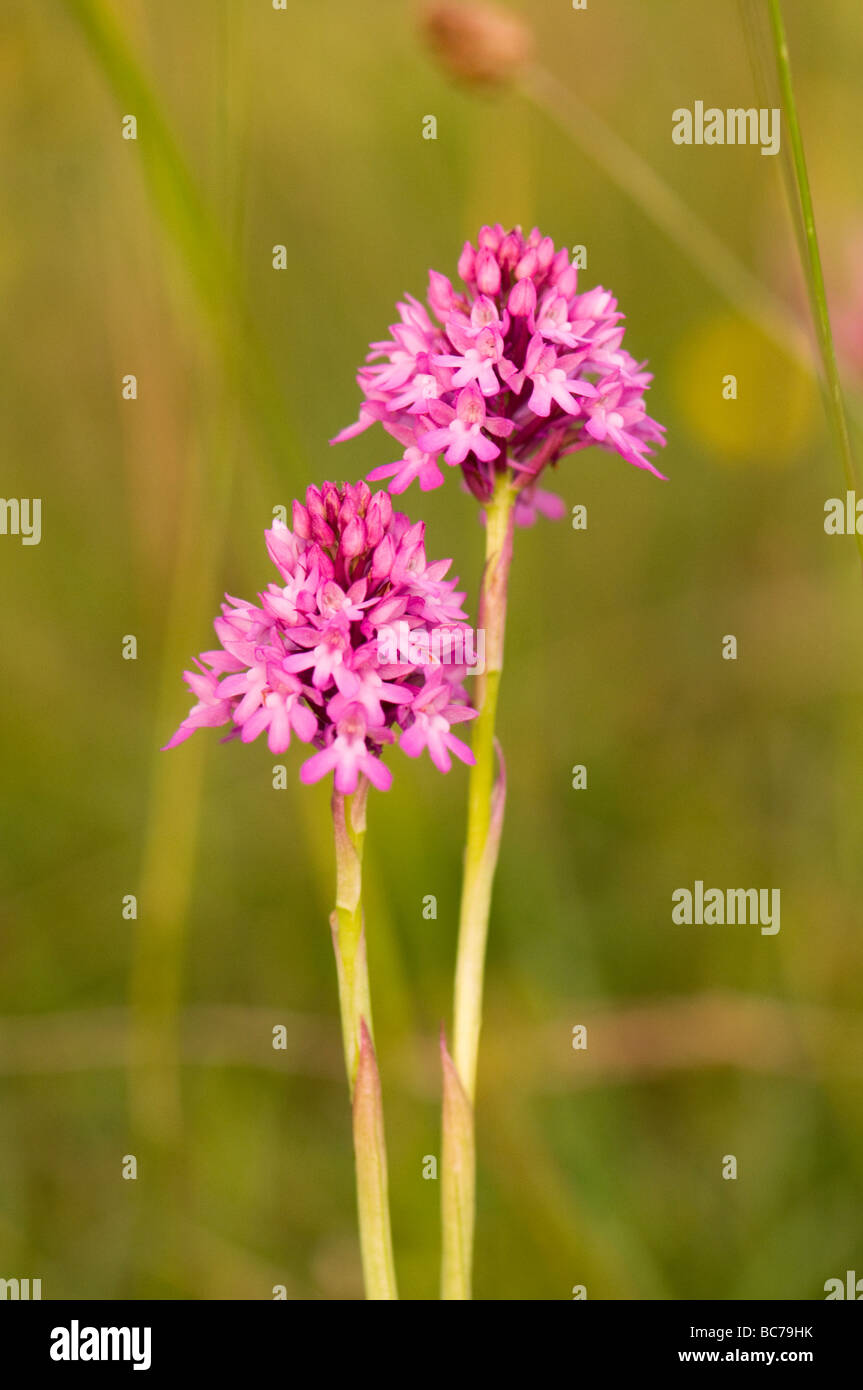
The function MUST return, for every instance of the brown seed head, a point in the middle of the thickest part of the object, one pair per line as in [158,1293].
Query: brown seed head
[476,43]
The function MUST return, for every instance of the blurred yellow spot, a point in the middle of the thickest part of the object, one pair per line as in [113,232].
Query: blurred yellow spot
[773,414]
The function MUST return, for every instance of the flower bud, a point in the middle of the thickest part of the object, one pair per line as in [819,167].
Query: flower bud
[567,282]
[441,296]
[509,250]
[321,532]
[558,266]
[353,541]
[522,298]
[382,560]
[302,521]
[487,272]
[490,237]
[386,508]
[467,263]
[545,252]
[375,524]
[528,265]
[314,502]
[332,501]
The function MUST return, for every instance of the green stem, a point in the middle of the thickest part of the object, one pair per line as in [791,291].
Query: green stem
[349,943]
[812,259]
[481,851]
[485,811]
[349,828]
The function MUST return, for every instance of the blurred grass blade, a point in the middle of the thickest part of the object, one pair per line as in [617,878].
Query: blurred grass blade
[187,220]
[171,183]
[759,42]
[802,203]
[168,858]
[458,1183]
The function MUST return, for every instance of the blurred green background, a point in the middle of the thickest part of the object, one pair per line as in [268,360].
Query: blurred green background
[154,1037]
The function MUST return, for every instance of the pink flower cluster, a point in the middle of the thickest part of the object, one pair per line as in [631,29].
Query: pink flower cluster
[308,658]
[518,370]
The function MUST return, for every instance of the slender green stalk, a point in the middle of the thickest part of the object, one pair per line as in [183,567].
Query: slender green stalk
[349,943]
[483,828]
[349,829]
[812,258]
[484,821]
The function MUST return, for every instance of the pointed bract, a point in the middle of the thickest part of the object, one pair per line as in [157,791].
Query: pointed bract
[458,1181]
[372,1186]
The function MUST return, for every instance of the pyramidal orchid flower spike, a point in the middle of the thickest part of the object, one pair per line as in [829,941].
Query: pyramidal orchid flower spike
[325,654]
[511,372]
[330,655]
[502,377]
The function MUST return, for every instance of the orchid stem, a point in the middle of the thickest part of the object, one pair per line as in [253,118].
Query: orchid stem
[485,814]
[349,942]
